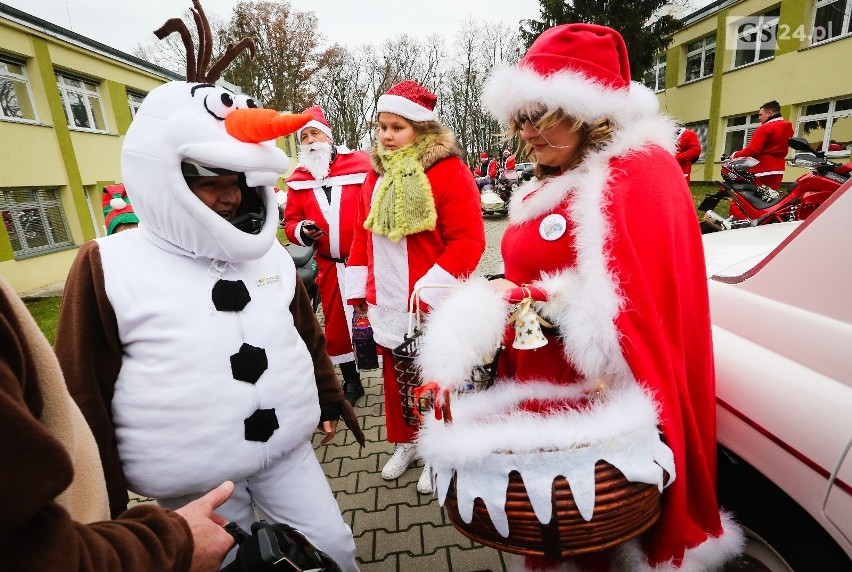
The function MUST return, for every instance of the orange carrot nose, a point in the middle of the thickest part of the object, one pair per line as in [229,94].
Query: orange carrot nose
[257,125]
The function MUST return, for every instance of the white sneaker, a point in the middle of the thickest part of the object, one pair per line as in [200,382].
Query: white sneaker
[399,461]
[424,483]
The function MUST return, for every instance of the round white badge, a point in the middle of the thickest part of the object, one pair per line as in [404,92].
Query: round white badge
[552,227]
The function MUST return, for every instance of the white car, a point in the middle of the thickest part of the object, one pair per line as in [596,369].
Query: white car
[781,307]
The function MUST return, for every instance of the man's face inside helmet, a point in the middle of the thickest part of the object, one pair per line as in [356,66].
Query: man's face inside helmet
[226,193]
[220,193]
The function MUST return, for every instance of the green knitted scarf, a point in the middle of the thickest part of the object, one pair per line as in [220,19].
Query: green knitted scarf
[403,203]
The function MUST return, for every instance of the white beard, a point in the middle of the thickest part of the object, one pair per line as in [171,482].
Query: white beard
[316,158]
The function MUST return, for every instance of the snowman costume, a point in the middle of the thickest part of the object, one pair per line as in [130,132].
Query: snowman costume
[189,343]
[627,373]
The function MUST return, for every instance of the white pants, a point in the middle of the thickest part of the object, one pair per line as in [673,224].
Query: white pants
[293,490]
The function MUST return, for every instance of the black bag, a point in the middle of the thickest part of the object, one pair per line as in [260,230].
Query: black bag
[276,547]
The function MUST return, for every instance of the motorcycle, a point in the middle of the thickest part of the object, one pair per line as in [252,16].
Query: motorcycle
[762,205]
[489,200]
[306,270]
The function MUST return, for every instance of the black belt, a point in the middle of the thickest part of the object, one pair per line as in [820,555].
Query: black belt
[337,260]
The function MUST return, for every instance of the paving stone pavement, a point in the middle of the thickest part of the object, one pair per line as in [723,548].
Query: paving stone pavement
[395,527]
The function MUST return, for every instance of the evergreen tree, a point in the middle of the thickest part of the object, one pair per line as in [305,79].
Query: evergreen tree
[645,36]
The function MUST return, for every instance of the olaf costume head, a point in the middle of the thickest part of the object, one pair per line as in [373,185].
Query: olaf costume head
[206,125]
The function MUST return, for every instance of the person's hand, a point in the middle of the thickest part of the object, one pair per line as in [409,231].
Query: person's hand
[311,230]
[500,285]
[329,428]
[360,309]
[210,541]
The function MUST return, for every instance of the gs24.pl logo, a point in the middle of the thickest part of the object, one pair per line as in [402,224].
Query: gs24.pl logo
[765,32]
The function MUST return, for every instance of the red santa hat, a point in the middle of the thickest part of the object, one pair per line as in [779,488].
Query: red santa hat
[483,155]
[582,69]
[409,99]
[318,121]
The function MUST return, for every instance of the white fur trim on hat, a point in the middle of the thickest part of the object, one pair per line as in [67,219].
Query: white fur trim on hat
[511,88]
[404,107]
[314,123]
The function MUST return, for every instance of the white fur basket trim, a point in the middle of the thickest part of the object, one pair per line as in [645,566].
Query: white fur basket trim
[489,438]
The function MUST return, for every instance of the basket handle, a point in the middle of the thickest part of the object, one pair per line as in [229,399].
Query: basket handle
[444,412]
[415,314]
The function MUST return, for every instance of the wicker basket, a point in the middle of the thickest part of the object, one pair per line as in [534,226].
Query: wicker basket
[623,510]
[408,376]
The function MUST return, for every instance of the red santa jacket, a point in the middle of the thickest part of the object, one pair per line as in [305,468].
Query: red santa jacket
[688,150]
[769,146]
[491,170]
[306,199]
[385,273]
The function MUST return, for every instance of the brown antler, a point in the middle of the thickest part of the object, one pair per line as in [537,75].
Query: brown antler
[195,69]
[230,53]
[205,38]
[176,25]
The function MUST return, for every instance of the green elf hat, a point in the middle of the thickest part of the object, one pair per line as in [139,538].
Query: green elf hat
[117,208]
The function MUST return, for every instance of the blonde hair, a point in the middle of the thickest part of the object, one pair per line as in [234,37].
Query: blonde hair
[593,136]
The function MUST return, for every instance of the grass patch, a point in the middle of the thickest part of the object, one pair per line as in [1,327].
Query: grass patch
[701,191]
[46,312]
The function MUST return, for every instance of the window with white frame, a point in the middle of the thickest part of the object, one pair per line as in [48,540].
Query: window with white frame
[701,128]
[16,98]
[831,20]
[34,220]
[738,132]
[655,77]
[81,102]
[827,125]
[756,38]
[134,100]
[700,57]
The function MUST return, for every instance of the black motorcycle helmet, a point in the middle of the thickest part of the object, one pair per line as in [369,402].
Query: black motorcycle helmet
[251,213]
[276,548]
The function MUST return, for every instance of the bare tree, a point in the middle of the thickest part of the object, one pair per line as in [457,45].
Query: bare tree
[289,53]
[342,89]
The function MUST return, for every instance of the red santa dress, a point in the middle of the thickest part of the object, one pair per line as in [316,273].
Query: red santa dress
[768,145]
[383,273]
[306,199]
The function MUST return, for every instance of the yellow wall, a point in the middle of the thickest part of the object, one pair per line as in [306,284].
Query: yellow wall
[40,270]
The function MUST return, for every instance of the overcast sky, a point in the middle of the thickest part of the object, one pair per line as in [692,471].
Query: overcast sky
[123,24]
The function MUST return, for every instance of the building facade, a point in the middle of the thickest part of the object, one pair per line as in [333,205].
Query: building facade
[732,56]
[66,102]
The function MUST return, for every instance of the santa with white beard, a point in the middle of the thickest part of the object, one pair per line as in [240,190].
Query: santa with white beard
[322,200]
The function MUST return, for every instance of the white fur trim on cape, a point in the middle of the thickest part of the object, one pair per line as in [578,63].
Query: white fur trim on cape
[356,282]
[404,107]
[709,555]
[435,285]
[489,438]
[462,333]
[512,88]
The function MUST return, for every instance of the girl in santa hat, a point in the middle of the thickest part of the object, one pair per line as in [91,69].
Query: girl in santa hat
[624,371]
[418,223]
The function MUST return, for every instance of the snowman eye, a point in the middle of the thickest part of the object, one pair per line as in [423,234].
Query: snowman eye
[219,103]
[245,102]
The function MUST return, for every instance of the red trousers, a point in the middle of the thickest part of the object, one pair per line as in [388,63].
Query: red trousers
[398,430]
